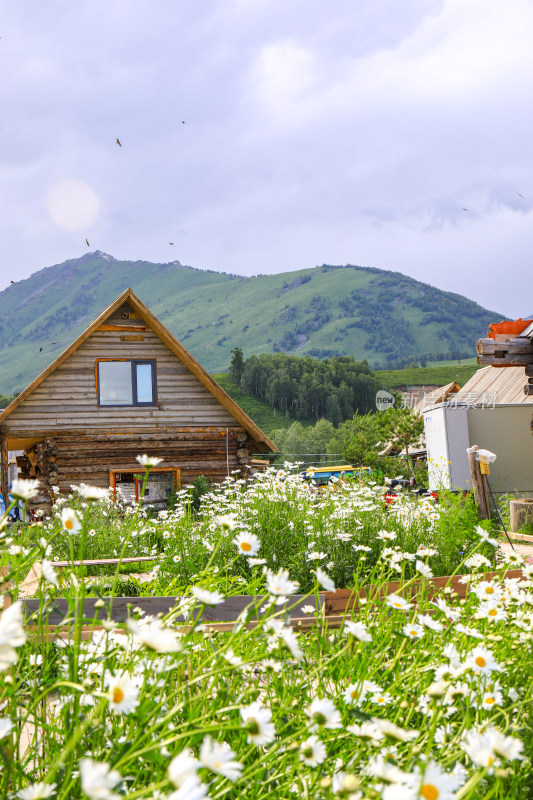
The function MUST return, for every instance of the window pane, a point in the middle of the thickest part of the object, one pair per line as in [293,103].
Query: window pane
[144,383]
[115,383]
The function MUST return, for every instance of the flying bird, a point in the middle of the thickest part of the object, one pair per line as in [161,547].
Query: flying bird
[521,195]
[171,242]
[183,122]
[88,245]
[466,209]
[118,142]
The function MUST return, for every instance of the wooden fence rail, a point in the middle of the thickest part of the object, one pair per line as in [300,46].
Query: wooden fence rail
[332,609]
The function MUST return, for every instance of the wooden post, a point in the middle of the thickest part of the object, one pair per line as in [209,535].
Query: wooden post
[521,513]
[4,469]
[478,484]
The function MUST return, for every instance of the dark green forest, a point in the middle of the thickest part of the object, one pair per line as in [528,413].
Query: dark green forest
[333,388]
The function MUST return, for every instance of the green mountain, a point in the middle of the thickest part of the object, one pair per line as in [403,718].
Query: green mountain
[384,317]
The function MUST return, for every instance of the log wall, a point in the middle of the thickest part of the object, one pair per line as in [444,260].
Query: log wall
[68,458]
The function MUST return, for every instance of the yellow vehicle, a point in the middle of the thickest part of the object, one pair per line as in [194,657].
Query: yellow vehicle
[322,475]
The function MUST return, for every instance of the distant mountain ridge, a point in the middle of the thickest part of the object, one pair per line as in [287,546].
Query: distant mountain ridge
[384,317]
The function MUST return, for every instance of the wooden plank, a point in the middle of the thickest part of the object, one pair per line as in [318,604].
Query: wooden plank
[121,607]
[121,328]
[4,468]
[344,600]
[508,360]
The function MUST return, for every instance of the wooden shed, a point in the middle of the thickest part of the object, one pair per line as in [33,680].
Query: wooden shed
[125,387]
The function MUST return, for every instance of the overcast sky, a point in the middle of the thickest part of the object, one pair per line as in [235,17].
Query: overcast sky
[380,133]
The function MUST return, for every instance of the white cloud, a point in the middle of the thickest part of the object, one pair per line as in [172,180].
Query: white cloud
[339,132]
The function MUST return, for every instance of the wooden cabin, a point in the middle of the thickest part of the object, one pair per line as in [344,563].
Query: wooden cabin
[126,387]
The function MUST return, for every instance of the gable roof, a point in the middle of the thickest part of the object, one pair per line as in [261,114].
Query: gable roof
[438,395]
[173,345]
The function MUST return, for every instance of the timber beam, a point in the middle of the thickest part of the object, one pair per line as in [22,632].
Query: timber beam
[513,352]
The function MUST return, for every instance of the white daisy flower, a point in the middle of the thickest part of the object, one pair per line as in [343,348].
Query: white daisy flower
[97,779]
[206,597]
[228,522]
[220,759]
[49,572]
[430,622]
[435,783]
[25,489]
[386,535]
[366,730]
[154,635]
[424,570]
[381,698]
[70,520]
[355,693]
[324,580]
[388,728]
[37,791]
[149,461]
[425,551]
[485,536]
[258,723]
[491,699]
[395,601]
[323,714]
[413,631]
[478,747]
[358,629]
[475,634]
[12,634]
[448,611]
[482,660]
[316,556]
[505,746]
[191,789]
[491,611]
[247,544]
[122,693]
[488,590]
[182,767]
[291,640]
[93,492]
[279,583]
[313,751]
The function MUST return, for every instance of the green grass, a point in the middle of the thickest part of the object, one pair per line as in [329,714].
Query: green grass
[423,687]
[422,376]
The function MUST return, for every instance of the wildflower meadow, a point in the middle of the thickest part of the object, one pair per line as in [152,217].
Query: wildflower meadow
[412,693]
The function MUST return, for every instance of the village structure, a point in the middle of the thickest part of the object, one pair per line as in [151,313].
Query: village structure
[126,387]
[493,409]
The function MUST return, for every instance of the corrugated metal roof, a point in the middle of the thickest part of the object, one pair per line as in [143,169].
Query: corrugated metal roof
[495,386]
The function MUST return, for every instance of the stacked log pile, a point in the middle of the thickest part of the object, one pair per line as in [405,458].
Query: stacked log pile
[508,352]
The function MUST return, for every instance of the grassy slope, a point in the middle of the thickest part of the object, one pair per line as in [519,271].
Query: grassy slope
[211,312]
[421,376]
[261,413]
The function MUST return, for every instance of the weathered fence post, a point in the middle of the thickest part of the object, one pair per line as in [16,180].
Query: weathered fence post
[479,484]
